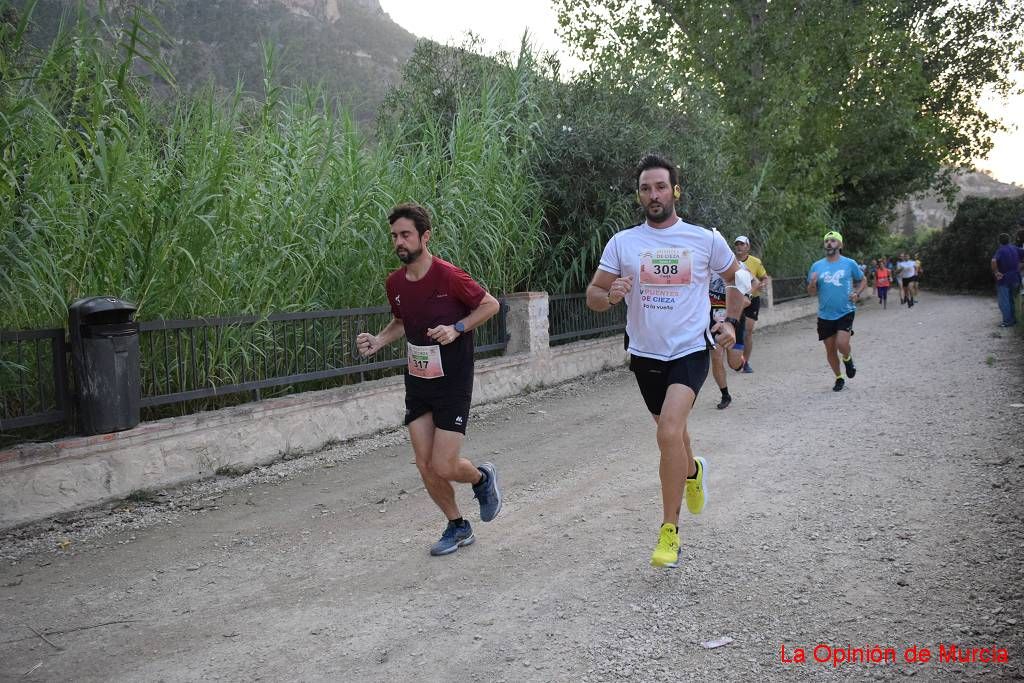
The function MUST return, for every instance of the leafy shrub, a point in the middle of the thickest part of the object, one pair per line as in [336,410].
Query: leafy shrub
[959,256]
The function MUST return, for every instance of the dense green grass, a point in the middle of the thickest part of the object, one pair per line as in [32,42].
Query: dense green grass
[207,205]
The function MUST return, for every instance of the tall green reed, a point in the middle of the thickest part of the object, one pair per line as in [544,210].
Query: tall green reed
[213,205]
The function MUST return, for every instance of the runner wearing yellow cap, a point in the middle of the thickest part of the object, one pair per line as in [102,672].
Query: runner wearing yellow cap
[837,281]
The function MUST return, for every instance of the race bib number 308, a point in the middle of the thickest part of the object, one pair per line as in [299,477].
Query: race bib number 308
[424,361]
[665,268]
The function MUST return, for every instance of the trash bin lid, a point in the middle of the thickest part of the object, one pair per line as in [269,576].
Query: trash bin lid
[100,304]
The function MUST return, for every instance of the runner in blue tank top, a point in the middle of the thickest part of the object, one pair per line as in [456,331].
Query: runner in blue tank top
[837,281]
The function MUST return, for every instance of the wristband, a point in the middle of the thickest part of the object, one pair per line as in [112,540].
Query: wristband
[733,321]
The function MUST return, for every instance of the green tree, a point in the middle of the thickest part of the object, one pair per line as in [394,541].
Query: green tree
[585,137]
[958,256]
[837,108]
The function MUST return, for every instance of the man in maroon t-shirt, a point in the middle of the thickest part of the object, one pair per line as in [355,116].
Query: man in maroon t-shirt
[436,306]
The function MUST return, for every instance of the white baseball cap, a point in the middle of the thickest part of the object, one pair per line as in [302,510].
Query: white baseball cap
[742,238]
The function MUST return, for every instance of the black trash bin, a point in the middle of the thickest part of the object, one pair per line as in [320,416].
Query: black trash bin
[105,355]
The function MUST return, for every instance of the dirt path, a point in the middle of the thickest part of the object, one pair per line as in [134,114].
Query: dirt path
[889,514]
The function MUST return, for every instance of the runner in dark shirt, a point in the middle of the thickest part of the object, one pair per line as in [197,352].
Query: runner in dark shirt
[444,294]
[436,306]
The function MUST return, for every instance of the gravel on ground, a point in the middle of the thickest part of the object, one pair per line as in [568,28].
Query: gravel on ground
[885,516]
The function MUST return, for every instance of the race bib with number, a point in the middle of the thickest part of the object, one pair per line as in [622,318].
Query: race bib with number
[425,361]
[665,268]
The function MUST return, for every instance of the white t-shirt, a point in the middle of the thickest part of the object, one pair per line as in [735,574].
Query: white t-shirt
[668,307]
[907,268]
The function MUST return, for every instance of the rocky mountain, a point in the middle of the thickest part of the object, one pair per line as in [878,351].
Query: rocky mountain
[930,210]
[351,47]
[328,10]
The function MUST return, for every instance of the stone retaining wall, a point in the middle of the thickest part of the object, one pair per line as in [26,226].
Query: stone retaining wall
[41,480]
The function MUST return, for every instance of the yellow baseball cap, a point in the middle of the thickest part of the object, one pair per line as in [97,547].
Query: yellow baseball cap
[832,235]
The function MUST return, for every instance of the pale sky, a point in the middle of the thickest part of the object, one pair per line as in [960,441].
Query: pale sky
[500,23]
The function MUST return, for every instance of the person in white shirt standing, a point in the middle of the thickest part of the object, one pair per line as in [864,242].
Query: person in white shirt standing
[661,269]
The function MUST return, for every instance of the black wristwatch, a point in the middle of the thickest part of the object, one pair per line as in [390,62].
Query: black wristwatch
[733,321]
[459,327]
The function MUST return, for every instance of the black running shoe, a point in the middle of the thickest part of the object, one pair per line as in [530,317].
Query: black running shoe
[851,369]
[840,383]
[724,403]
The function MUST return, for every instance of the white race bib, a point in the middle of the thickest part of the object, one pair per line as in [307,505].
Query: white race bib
[424,361]
[665,268]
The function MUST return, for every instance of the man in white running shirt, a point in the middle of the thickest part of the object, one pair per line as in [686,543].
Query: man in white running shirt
[661,269]
[907,269]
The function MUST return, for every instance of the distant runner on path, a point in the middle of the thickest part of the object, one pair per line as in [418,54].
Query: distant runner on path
[837,281]
[907,268]
[741,246]
[882,283]
[436,306]
[670,263]
[720,355]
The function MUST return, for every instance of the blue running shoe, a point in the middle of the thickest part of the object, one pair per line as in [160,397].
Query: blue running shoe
[454,536]
[488,494]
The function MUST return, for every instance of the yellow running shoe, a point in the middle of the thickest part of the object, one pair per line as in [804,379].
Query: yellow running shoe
[666,553]
[696,494]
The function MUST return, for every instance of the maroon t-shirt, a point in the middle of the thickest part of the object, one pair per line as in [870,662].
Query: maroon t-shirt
[445,295]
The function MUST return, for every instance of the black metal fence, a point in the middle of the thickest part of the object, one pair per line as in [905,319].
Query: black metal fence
[569,319]
[33,378]
[191,360]
[186,360]
[788,288]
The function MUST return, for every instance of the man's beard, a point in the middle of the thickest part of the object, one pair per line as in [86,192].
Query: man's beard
[831,251]
[660,216]
[409,256]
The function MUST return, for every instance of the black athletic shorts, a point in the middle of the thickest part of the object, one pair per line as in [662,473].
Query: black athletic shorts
[908,280]
[753,309]
[828,328]
[450,409]
[654,376]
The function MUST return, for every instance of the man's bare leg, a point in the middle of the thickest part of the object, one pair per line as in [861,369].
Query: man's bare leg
[831,356]
[676,455]
[421,433]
